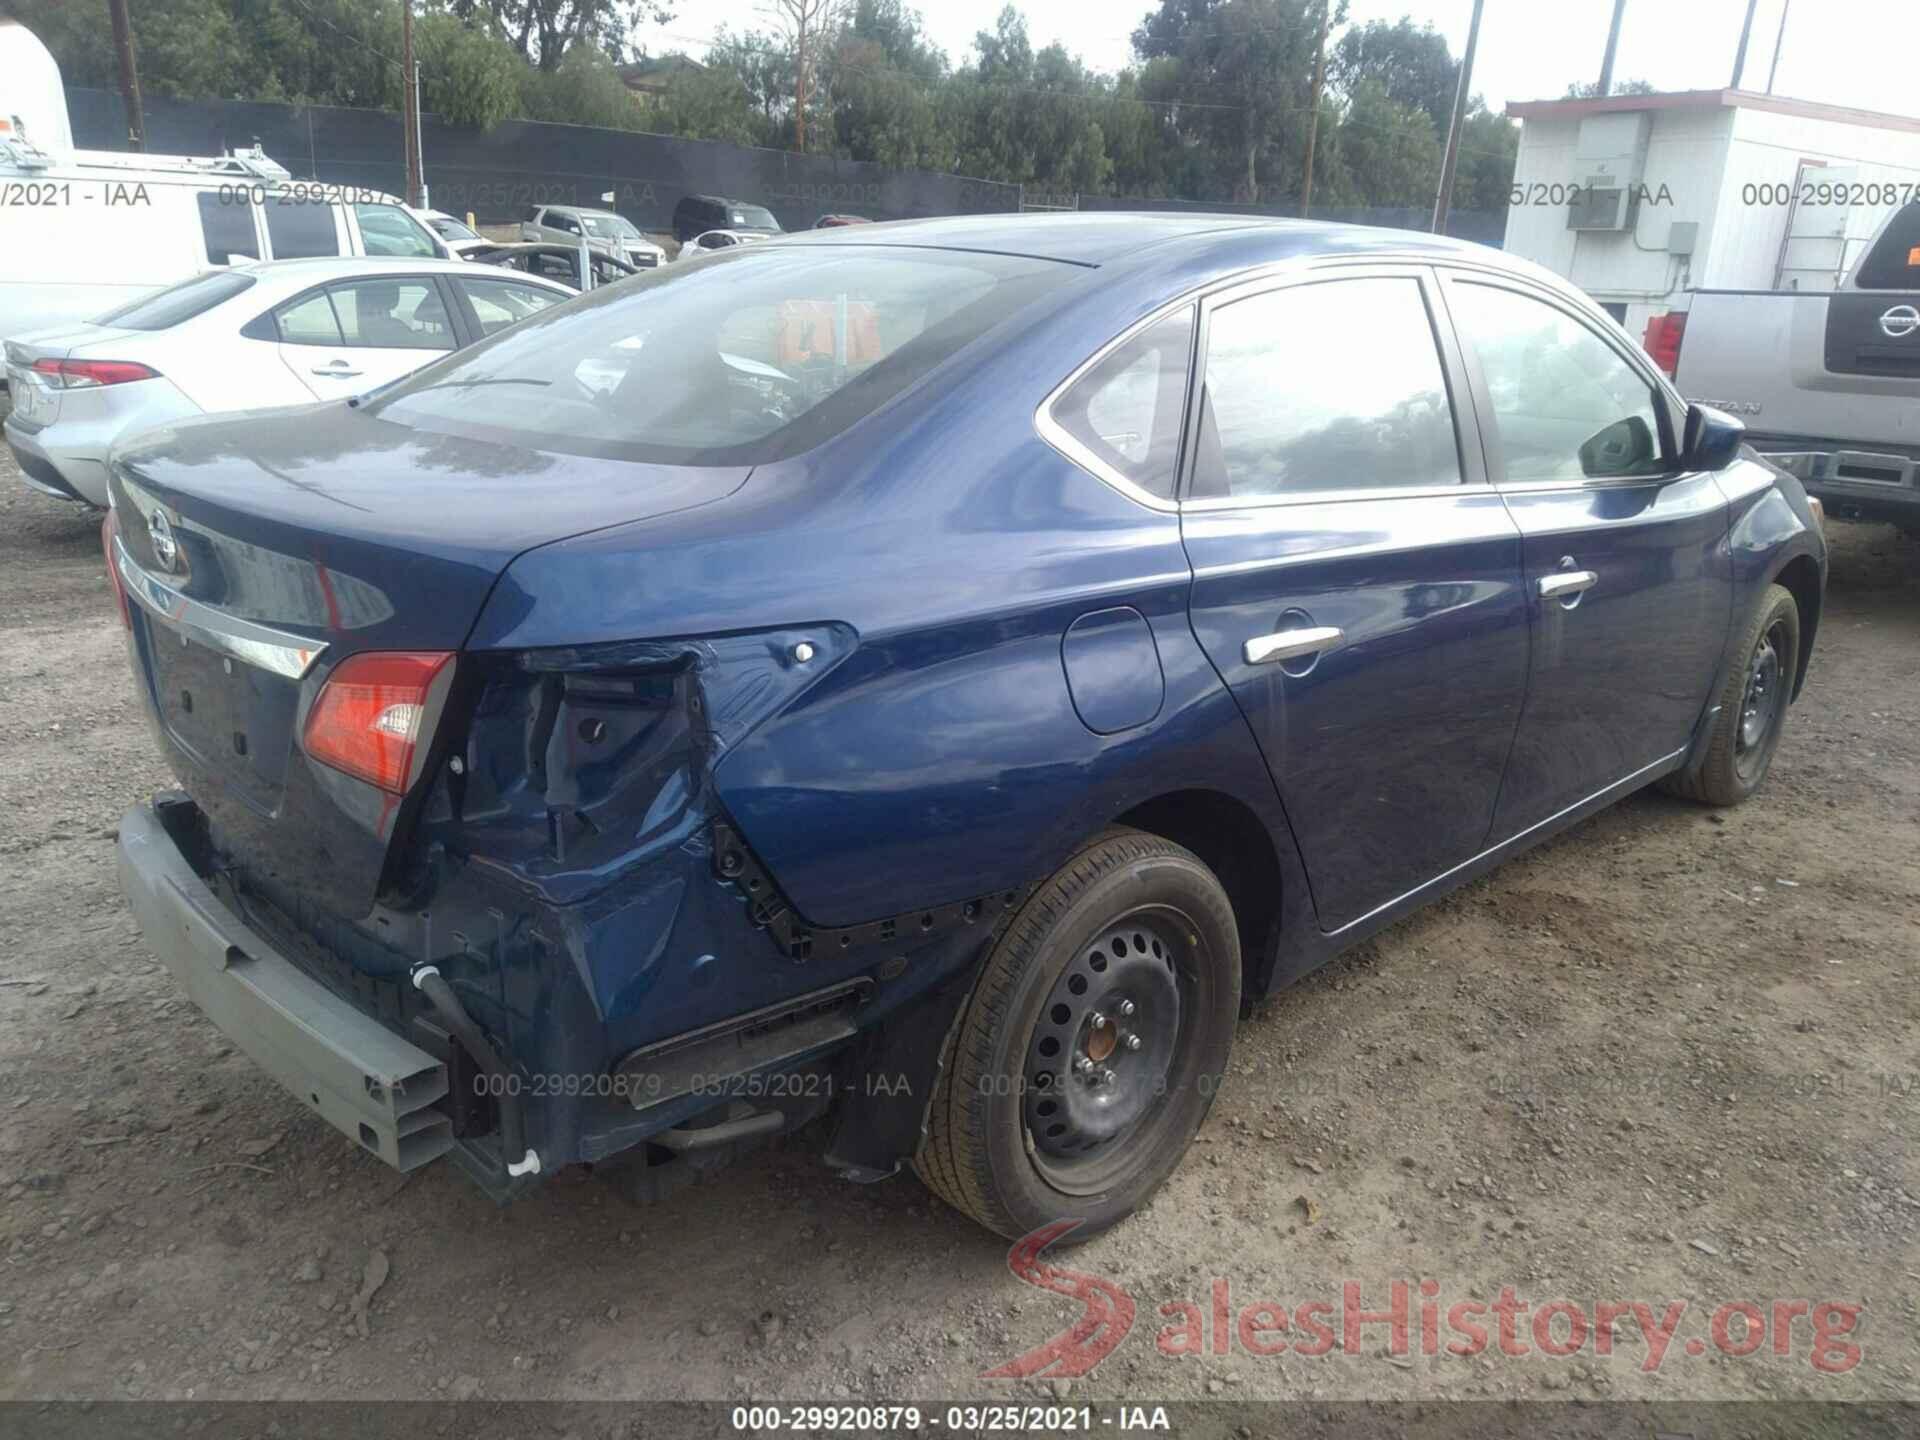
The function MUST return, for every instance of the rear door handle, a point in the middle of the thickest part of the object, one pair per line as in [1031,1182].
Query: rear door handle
[1291,644]
[1566,582]
[334,374]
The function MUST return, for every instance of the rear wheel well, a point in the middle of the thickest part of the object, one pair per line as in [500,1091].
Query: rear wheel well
[1801,577]
[1233,843]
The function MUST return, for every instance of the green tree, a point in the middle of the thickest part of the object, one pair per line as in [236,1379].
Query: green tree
[709,103]
[546,31]
[469,74]
[583,89]
[1384,152]
[1242,85]
[1409,63]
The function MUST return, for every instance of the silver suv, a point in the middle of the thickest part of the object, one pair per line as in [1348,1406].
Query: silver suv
[604,230]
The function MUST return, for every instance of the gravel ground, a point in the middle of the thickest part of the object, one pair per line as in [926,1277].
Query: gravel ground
[1667,1057]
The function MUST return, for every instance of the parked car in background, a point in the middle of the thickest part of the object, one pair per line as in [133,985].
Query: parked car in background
[834,222]
[981,653]
[284,333]
[698,213]
[1828,382]
[707,242]
[94,230]
[458,236]
[604,230]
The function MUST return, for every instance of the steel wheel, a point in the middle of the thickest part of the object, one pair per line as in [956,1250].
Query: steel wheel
[1103,1045]
[1764,702]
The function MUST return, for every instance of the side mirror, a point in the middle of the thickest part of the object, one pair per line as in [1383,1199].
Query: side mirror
[1711,439]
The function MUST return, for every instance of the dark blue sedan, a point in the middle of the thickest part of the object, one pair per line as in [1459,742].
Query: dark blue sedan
[925,678]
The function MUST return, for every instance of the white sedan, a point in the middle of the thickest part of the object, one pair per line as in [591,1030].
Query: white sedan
[285,333]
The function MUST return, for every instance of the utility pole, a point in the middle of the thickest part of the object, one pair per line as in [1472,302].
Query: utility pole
[409,102]
[1613,43]
[1779,39]
[419,139]
[800,80]
[129,74]
[1444,199]
[1313,111]
[1740,55]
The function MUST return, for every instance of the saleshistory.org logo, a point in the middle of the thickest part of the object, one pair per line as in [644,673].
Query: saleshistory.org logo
[1558,1329]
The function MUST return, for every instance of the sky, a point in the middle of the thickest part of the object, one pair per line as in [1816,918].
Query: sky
[1843,52]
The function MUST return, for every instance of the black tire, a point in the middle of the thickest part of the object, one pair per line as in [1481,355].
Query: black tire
[1169,949]
[1753,707]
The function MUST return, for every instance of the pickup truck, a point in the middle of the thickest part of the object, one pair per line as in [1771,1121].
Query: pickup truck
[1828,382]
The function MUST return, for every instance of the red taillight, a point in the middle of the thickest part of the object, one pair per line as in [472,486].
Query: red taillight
[81,374]
[109,528]
[368,717]
[1662,340]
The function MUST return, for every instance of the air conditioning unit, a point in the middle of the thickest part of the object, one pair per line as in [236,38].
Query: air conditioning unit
[1610,157]
[1602,202]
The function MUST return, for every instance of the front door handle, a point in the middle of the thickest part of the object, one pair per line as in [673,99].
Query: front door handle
[334,374]
[1566,582]
[1291,644]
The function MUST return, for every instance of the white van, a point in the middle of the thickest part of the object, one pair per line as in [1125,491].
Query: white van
[90,230]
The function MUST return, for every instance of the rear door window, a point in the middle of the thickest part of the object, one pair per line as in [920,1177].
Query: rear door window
[226,224]
[1123,417]
[300,228]
[1894,261]
[392,314]
[308,321]
[1334,385]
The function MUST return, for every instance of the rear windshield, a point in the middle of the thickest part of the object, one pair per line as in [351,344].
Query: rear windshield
[752,217]
[743,359]
[166,308]
[1894,261]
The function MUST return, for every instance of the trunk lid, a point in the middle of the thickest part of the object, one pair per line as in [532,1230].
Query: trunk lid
[262,550]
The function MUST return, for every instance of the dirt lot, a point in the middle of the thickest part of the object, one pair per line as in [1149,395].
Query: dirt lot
[1665,1058]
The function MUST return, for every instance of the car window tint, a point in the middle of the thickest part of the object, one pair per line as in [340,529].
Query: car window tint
[760,355]
[1333,386]
[392,315]
[167,308]
[226,224]
[498,303]
[558,220]
[299,228]
[308,321]
[389,230]
[1894,261]
[1125,412]
[1566,405]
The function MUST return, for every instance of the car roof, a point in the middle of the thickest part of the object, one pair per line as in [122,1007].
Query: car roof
[323,266]
[1101,237]
[289,276]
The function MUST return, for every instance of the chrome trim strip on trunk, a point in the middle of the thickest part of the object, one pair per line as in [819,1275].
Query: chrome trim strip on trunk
[278,651]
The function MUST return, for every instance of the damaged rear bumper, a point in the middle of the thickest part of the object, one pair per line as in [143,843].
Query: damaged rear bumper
[376,1088]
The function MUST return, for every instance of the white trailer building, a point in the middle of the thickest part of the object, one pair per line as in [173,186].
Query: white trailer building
[1639,199]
